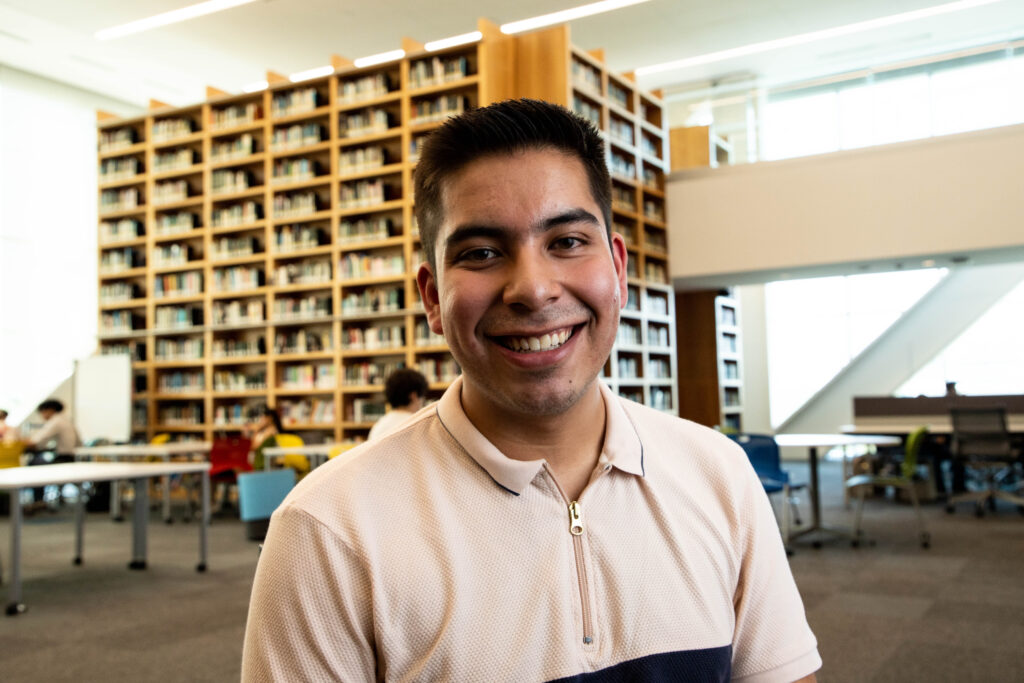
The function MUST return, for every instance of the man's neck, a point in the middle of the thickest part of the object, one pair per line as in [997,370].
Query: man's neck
[570,442]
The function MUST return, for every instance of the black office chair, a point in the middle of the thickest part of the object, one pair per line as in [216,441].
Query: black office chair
[982,443]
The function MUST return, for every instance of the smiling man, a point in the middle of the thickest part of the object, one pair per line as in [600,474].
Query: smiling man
[531,525]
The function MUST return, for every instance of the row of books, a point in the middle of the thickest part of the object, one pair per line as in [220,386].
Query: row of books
[370,372]
[188,348]
[620,165]
[365,122]
[230,415]
[235,247]
[298,135]
[362,265]
[308,376]
[437,70]
[121,322]
[295,204]
[657,335]
[365,229]
[233,149]
[373,338]
[228,181]
[237,278]
[365,410]
[119,260]
[303,341]
[438,369]
[296,169]
[366,193]
[178,284]
[180,415]
[307,411]
[238,312]
[177,317]
[438,108]
[629,334]
[176,160]
[113,139]
[236,380]
[364,88]
[621,130]
[291,308]
[124,199]
[313,271]
[121,230]
[298,101]
[115,292]
[233,215]
[372,300]
[362,159]
[586,76]
[586,109]
[120,168]
[289,238]
[170,191]
[235,115]
[174,254]
[181,382]
[176,223]
[238,348]
[427,337]
[170,129]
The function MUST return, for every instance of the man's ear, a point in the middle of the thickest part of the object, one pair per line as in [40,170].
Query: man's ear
[427,284]
[620,256]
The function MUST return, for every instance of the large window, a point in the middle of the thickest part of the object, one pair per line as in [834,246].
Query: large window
[48,289]
[988,358]
[815,327]
[938,98]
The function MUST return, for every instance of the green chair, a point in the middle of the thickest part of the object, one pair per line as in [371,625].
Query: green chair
[906,479]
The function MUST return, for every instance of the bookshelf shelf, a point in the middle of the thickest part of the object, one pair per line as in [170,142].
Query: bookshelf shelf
[315,178]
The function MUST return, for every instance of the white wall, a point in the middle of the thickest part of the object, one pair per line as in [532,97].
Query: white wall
[928,198]
[756,414]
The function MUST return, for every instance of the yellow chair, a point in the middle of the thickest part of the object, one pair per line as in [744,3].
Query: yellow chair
[10,454]
[159,439]
[296,461]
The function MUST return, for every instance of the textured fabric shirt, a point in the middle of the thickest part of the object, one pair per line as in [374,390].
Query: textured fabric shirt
[389,422]
[430,556]
[58,427]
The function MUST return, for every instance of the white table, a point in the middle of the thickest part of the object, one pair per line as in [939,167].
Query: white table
[164,451]
[15,479]
[812,442]
[317,453]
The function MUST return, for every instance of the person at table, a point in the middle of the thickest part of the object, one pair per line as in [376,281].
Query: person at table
[54,442]
[8,433]
[531,525]
[405,390]
[266,425]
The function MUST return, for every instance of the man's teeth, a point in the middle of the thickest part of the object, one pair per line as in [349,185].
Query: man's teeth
[545,342]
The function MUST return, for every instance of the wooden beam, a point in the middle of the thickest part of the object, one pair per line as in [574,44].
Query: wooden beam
[339,62]
[275,77]
[157,104]
[597,53]
[629,76]
[212,92]
[102,116]
[411,46]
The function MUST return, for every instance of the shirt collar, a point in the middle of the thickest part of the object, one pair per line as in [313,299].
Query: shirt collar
[622,446]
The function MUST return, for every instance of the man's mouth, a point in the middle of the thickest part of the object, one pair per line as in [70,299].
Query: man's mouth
[544,342]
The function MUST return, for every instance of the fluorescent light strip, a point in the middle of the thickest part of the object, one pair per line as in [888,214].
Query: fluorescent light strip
[566,15]
[311,73]
[462,39]
[379,58]
[813,36]
[172,17]
[255,87]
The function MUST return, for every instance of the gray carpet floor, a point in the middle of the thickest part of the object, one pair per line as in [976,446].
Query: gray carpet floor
[885,612]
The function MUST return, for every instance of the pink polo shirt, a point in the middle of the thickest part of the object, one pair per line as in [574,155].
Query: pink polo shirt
[430,556]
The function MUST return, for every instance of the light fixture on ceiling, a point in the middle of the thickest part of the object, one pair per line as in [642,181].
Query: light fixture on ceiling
[802,38]
[379,58]
[311,73]
[461,39]
[565,15]
[256,86]
[172,17]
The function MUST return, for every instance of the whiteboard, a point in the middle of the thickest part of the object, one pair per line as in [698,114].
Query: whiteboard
[102,407]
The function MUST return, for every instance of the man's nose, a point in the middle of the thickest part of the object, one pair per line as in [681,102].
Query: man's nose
[533,281]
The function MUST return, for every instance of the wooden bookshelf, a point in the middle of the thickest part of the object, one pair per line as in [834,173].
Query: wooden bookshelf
[261,248]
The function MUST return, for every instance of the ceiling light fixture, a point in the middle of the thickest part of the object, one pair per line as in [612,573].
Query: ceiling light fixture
[165,18]
[566,15]
[462,39]
[256,87]
[311,73]
[813,36]
[380,58]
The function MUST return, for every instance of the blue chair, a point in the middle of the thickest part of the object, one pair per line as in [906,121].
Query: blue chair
[763,453]
[259,494]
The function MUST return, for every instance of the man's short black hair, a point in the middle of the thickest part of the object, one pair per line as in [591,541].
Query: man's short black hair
[3,414]
[403,382]
[504,128]
[51,404]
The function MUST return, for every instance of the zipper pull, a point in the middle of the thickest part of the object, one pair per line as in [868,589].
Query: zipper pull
[575,519]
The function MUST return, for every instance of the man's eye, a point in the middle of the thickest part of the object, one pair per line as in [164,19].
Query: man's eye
[478,255]
[567,243]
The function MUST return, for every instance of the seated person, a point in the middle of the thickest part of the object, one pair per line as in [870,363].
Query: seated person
[8,433]
[58,429]
[266,425]
[405,390]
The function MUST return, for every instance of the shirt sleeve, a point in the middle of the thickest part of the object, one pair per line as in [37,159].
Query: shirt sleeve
[773,641]
[45,433]
[310,614]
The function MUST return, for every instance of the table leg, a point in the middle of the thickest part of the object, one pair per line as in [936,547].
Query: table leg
[140,512]
[816,525]
[167,494]
[204,522]
[79,525]
[14,604]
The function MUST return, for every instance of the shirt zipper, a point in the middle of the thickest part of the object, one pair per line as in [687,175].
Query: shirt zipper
[576,529]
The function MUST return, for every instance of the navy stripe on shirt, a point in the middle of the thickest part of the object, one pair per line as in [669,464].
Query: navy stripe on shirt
[711,664]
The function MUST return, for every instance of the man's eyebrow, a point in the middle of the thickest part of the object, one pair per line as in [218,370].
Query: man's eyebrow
[476,230]
[473,231]
[571,216]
